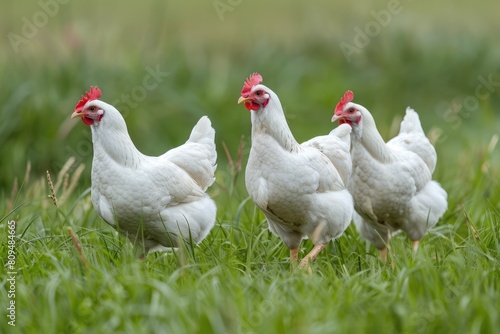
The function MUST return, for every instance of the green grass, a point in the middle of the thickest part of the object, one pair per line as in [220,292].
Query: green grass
[239,280]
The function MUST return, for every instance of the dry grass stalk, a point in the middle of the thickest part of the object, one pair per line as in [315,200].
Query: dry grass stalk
[52,191]
[65,183]
[230,157]
[27,174]
[471,227]
[64,171]
[70,186]
[78,247]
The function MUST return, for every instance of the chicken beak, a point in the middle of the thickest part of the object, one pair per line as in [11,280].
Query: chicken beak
[243,99]
[336,118]
[77,114]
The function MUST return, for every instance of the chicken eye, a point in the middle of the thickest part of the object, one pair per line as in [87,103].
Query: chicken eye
[258,93]
[92,108]
[351,110]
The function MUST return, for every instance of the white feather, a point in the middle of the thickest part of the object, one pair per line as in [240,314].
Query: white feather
[300,188]
[152,200]
[392,183]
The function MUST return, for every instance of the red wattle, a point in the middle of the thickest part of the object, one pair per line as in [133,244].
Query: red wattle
[250,105]
[87,121]
[342,121]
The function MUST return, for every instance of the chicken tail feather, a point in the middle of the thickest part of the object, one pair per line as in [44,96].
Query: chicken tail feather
[202,131]
[411,122]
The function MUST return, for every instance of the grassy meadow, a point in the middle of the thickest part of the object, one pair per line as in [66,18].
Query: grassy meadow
[164,64]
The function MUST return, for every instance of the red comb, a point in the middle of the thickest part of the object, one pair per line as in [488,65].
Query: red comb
[251,81]
[348,97]
[94,94]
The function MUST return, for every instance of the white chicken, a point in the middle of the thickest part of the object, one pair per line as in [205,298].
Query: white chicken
[154,201]
[391,182]
[300,188]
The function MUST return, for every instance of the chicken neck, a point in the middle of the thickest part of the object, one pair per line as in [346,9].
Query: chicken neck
[271,121]
[113,141]
[366,134]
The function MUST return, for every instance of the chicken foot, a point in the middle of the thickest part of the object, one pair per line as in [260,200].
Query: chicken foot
[311,256]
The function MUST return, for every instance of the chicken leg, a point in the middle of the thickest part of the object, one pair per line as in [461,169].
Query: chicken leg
[294,255]
[415,244]
[383,255]
[311,256]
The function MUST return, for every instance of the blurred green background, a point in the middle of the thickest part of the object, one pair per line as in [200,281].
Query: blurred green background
[430,55]
[440,57]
